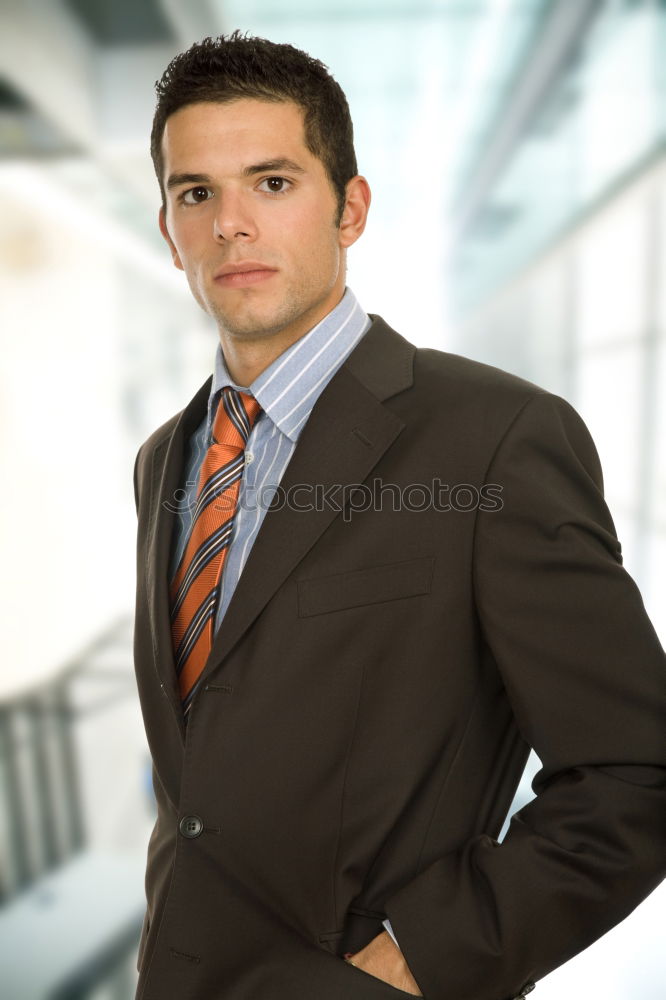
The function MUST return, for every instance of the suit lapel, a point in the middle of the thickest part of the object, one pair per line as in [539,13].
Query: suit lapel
[345,436]
[166,480]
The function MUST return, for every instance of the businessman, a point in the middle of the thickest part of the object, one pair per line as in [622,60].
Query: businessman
[370,578]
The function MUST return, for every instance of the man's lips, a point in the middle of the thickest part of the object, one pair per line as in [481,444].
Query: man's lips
[249,272]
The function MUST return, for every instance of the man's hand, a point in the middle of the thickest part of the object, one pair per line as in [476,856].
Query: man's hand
[383,959]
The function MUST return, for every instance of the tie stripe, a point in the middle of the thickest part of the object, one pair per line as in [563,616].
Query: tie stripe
[239,417]
[217,483]
[208,549]
[194,629]
[195,587]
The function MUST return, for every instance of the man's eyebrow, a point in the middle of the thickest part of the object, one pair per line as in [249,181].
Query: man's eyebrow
[177,179]
[268,166]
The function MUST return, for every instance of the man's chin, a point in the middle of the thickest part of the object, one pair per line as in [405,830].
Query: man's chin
[251,324]
[254,328]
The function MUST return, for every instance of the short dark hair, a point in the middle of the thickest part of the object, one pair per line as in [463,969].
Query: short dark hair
[229,68]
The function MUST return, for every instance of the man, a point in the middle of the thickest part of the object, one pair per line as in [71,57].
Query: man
[370,577]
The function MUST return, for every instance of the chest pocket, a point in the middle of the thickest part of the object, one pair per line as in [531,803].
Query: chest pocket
[390,582]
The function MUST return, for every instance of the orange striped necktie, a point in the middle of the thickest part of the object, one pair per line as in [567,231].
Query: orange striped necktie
[195,586]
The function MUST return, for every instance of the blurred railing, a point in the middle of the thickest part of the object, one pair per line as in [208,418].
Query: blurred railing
[70,913]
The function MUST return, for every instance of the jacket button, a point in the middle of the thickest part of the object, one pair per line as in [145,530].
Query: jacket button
[191,826]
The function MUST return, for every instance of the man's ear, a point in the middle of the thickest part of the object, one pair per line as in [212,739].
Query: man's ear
[355,214]
[165,233]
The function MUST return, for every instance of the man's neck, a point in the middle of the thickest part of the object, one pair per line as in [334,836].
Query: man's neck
[246,359]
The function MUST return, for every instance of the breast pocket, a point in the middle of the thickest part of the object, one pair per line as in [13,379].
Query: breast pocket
[375,585]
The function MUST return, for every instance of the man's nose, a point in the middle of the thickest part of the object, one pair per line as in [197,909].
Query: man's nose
[233,219]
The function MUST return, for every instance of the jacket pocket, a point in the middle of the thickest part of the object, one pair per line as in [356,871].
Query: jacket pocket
[390,582]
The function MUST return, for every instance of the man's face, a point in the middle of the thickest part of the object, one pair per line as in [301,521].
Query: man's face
[243,191]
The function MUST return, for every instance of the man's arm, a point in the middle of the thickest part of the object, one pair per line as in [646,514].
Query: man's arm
[586,678]
[136,478]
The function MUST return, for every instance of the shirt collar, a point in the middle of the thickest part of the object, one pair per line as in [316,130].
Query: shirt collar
[288,389]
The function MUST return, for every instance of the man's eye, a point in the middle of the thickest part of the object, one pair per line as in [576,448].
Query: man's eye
[275,185]
[195,196]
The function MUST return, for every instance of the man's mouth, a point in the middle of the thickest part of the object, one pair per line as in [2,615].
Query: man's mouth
[247,272]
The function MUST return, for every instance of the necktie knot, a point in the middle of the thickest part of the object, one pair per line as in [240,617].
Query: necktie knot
[235,417]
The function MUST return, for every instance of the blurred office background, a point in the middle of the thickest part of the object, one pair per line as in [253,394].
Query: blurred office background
[517,155]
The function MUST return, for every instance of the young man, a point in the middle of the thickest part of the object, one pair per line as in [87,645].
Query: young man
[370,577]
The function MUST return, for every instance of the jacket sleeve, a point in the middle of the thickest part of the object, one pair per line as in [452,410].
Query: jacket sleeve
[586,678]
[137,477]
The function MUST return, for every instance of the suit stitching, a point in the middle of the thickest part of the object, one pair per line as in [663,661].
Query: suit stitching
[148,959]
[221,688]
[361,436]
[150,529]
[446,777]
[169,904]
[452,766]
[136,476]
[183,954]
[342,795]
[169,901]
[152,507]
[491,460]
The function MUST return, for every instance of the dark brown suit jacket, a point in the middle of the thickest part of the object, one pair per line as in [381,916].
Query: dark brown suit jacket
[372,694]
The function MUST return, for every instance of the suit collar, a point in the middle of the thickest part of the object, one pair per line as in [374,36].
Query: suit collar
[383,361]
